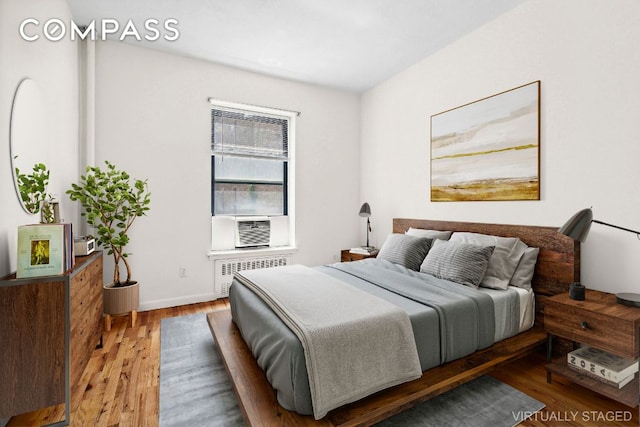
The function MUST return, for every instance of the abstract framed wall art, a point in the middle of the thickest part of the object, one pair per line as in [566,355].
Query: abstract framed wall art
[488,149]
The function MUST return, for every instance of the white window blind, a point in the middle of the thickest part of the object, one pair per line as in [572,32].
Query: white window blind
[250,163]
[249,135]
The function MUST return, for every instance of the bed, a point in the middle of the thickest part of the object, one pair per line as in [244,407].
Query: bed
[445,365]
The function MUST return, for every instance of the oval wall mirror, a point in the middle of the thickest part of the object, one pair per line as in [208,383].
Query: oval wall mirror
[28,146]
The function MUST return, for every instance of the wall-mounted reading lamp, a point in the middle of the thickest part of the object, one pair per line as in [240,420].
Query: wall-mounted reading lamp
[578,228]
[365,212]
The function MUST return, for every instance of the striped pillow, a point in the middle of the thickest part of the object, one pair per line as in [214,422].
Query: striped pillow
[503,261]
[405,250]
[458,262]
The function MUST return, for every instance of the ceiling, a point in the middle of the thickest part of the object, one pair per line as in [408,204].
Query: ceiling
[347,44]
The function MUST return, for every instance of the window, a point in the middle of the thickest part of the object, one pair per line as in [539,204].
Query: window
[250,162]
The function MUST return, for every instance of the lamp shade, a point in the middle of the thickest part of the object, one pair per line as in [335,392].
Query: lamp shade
[365,210]
[578,225]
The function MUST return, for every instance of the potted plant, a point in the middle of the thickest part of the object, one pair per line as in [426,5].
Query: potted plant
[112,200]
[33,193]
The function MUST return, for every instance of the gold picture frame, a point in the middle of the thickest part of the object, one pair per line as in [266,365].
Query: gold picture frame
[488,149]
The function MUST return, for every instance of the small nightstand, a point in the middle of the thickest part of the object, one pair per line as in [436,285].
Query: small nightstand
[346,256]
[600,322]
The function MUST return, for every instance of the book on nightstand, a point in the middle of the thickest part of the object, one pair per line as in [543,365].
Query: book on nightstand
[363,251]
[44,250]
[601,364]
[590,374]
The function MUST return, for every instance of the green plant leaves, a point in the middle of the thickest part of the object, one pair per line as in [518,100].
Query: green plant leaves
[33,187]
[112,200]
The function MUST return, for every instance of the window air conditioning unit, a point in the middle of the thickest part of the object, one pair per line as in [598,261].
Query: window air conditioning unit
[253,231]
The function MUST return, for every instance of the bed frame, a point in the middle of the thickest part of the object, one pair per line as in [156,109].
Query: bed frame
[557,267]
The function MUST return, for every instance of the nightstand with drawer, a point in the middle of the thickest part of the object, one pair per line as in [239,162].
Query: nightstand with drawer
[347,256]
[599,322]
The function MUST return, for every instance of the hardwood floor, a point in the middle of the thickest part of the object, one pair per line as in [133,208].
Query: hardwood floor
[567,404]
[120,386]
[121,383]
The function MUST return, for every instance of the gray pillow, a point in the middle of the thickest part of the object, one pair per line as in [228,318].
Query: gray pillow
[458,262]
[432,234]
[405,250]
[524,272]
[503,261]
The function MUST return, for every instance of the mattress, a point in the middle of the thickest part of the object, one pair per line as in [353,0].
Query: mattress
[277,350]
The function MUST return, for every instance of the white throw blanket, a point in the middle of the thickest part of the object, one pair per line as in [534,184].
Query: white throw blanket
[355,344]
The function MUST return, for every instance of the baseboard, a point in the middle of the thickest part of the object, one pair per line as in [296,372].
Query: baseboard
[174,302]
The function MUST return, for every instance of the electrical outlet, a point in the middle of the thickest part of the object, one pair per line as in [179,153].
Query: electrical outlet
[182,272]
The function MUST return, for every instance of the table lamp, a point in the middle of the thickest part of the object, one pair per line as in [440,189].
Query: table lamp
[365,212]
[577,227]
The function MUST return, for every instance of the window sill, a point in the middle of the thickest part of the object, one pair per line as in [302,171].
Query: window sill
[252,252]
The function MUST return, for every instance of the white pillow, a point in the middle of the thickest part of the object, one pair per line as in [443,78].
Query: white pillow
[503,261]
[431,234]
[524,271]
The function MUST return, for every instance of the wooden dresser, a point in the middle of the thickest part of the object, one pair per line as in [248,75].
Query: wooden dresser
[600,322]
[50,327]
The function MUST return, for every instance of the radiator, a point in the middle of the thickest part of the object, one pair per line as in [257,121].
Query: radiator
[225,268]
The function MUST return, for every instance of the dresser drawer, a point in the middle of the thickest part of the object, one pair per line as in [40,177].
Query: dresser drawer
[585,326]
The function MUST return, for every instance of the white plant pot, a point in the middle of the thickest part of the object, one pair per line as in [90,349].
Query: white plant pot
[121,300]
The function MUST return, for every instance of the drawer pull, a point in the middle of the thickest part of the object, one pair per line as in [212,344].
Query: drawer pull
[584,324]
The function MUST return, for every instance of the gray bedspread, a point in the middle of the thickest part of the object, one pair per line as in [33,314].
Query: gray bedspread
[449,321]
[354,343]
[465,316]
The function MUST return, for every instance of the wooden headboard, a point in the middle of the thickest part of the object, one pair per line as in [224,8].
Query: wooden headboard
[558,262]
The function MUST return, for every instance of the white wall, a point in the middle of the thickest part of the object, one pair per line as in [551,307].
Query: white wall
[585,52]
[54,68]
[153,120]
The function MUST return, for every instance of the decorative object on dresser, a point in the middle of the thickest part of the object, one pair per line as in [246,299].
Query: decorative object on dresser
[53,324]
[112,200]
[598,322]
[50,212]
[84,245]
[32,189]
[578,226]
[44,250]
[365,212]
